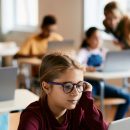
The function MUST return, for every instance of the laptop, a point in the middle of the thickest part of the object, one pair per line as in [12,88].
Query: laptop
[116,61]
[64,45]
[7,83]
[109,44]
[123,124]
[108,41]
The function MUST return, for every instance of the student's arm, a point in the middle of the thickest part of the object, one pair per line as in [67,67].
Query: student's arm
[25,50]
[92,117]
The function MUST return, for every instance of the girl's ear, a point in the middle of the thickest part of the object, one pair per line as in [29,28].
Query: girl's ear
[46,88]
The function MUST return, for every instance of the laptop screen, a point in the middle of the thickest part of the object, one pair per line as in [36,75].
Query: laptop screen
[7,83]
[123,124]
[117,61]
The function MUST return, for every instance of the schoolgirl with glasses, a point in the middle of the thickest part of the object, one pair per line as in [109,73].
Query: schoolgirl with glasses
[66,101]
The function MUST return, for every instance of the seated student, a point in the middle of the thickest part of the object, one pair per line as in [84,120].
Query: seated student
[93,56]
[66,102]
[123,33]
[37,44]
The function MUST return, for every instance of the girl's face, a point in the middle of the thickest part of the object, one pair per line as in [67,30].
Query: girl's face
[112,19]
[58,99]
[94,40]
[52,28]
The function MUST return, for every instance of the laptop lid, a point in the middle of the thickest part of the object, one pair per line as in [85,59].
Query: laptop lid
[64,45]
[117,61]
[123,124]
[7,83]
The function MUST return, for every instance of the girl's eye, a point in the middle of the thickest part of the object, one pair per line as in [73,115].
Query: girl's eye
[79,86]
[68,86]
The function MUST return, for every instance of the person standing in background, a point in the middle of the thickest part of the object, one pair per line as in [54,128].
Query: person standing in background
[123,33]
[113,15]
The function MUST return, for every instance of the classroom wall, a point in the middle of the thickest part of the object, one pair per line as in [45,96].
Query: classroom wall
[69,14]
[0,23]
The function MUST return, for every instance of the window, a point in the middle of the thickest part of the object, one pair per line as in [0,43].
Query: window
[93,13]
[26,12]
[19,14]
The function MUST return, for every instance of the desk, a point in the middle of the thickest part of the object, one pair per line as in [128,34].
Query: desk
[31,61]
[22,99]
[7,50]
[101,76]
[26,66]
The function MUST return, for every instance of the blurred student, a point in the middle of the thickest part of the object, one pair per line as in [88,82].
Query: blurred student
[66,101]
[93,56]
[113,15]
[37,44]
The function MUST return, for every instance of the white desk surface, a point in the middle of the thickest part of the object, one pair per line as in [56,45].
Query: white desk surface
[8,49]
[31,61]
[106,75]
[22,99]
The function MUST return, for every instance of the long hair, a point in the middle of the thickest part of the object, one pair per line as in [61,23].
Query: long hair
[122,26]
[54,65]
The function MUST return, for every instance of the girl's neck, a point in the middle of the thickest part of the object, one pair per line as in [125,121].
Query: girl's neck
[59,113]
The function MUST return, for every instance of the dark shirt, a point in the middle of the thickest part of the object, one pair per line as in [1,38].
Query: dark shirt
[37,116]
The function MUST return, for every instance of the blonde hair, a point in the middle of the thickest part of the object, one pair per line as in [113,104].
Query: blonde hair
[54,65]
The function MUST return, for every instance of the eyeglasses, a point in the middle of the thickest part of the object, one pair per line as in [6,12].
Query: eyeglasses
[69,86]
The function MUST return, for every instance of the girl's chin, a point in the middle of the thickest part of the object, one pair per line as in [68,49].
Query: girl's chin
[71,107]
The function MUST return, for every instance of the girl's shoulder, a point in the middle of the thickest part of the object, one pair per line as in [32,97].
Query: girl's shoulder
[34,110]
[31,117]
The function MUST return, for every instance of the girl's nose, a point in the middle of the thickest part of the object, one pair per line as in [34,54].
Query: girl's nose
[74,91]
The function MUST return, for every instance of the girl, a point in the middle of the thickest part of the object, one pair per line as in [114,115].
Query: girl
[66,102]
[92,57]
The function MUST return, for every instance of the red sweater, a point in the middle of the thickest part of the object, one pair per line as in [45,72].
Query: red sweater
[37,116]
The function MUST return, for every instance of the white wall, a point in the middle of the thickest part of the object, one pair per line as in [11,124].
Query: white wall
[69,14]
